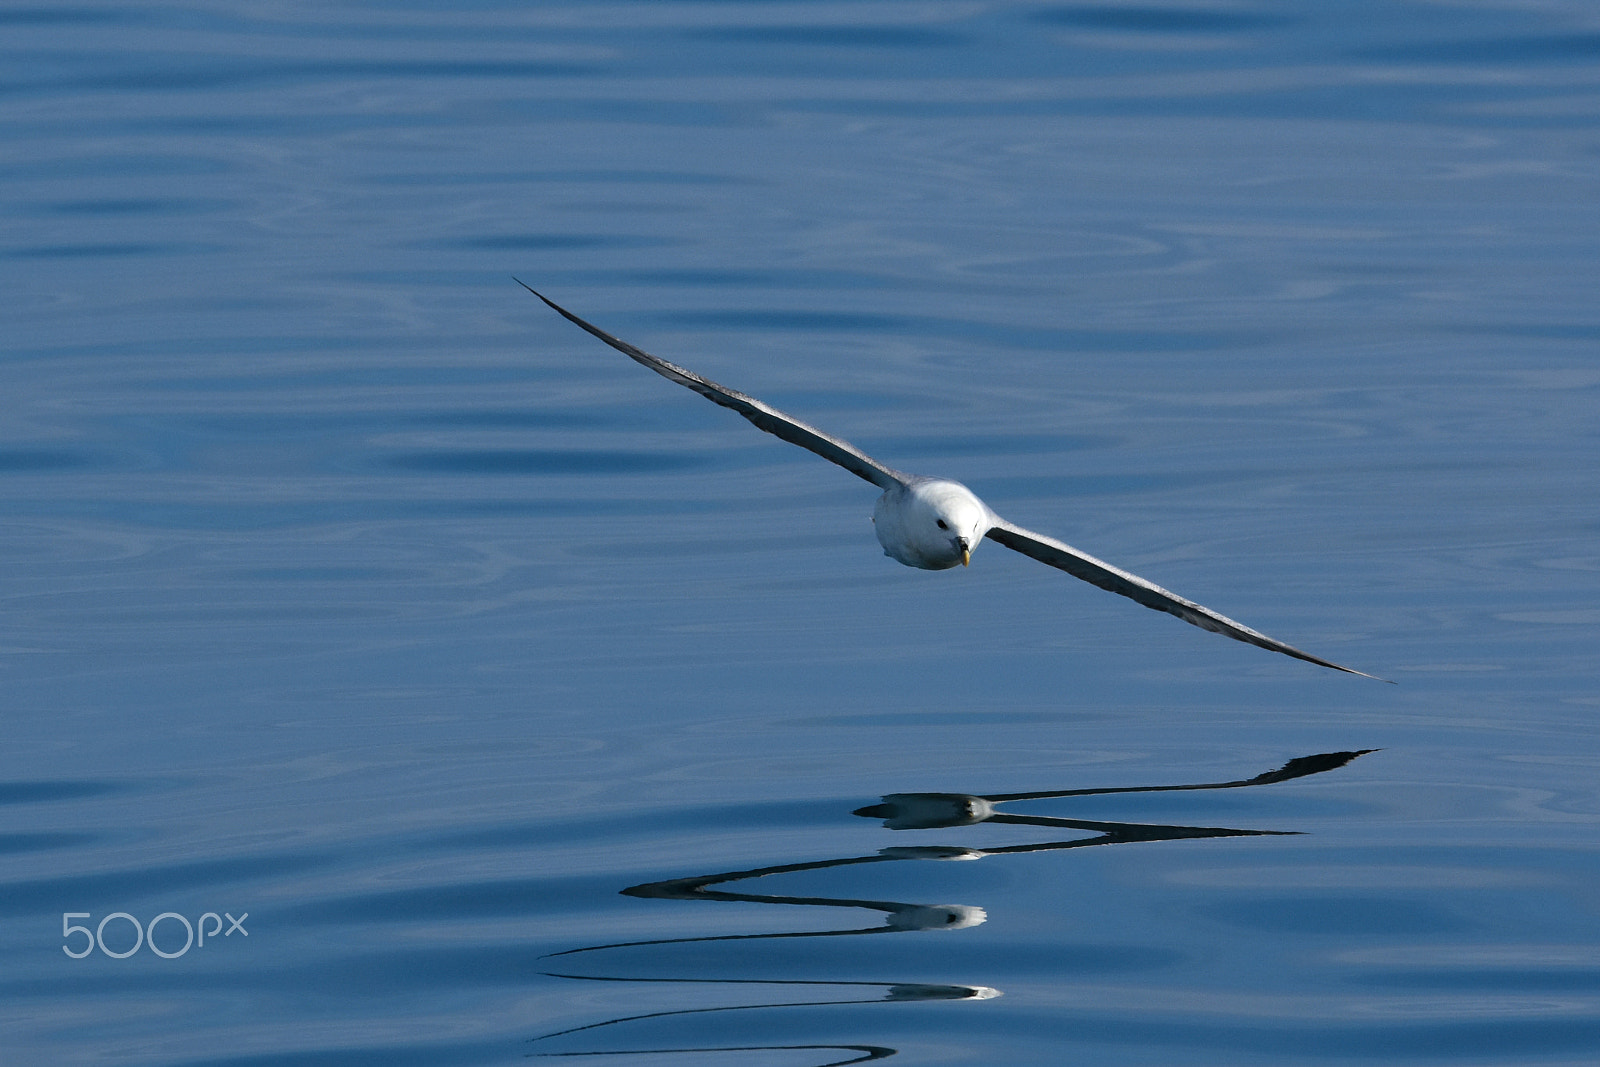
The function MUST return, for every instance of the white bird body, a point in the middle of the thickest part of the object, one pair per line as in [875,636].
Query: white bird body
[930,523]
[935,524]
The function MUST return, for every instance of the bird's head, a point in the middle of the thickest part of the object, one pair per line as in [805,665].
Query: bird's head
[952,516]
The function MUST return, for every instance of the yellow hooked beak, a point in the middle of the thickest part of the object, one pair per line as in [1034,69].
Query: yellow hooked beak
[966,554]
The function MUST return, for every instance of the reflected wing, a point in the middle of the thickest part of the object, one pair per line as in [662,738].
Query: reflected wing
[1095,572]
[761,415]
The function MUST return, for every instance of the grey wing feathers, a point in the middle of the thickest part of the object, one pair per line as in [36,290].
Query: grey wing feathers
[1095,572]
[763,416]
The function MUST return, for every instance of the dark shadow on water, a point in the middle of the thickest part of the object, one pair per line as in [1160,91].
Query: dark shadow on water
[904,811]
[41,459]
[535,461]
[46,790]
[868,1052]
[546,242]
[853,36]
[1149,18]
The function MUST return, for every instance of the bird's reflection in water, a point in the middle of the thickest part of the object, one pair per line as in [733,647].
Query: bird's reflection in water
[906,811]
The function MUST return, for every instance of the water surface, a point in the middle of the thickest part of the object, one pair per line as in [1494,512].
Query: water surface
[515,703]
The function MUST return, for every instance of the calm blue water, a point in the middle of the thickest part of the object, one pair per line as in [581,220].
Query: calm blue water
[354,600]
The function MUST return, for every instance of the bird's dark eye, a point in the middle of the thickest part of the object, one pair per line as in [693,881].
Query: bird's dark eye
[942,525]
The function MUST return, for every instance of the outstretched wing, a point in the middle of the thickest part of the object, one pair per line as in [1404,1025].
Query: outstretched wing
[763,416]
[1095,572]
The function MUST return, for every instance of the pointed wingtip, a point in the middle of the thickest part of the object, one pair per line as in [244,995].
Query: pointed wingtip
[570,317]
[532,290]
[1297,654]
[548,302]
[1364,674]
